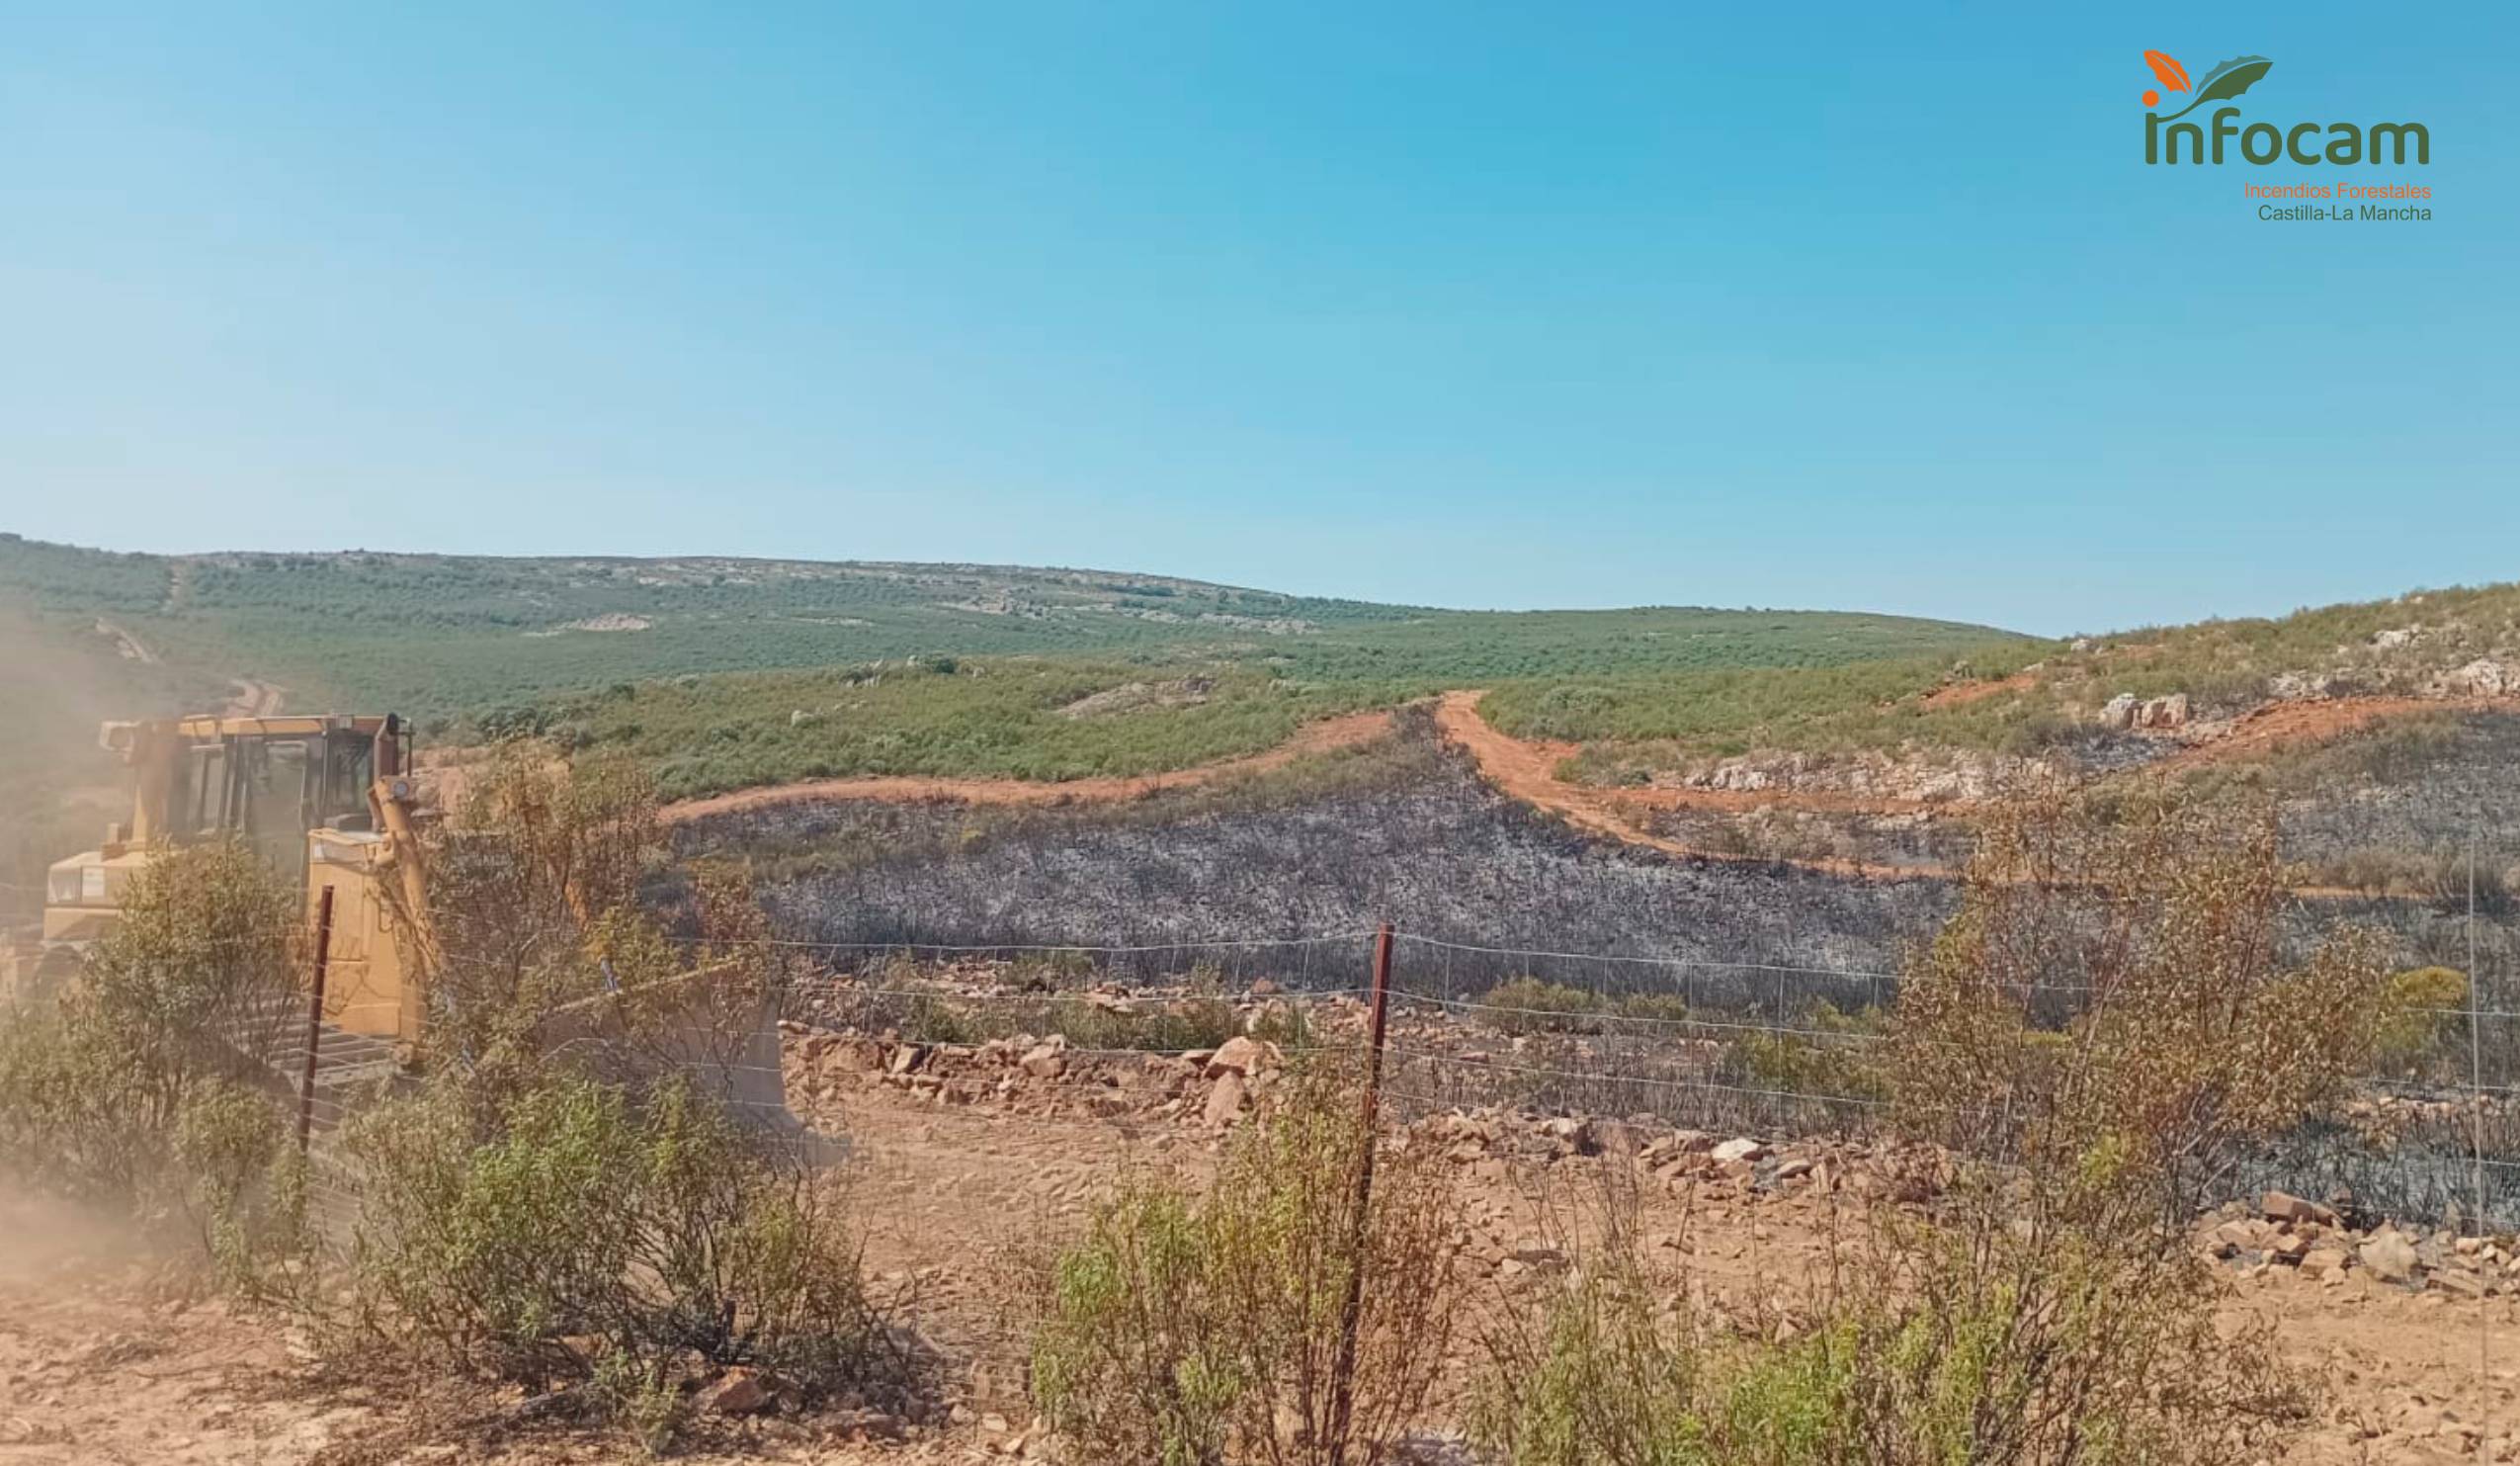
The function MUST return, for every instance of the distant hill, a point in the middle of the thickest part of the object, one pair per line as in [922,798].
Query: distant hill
[446,634]
[715,668]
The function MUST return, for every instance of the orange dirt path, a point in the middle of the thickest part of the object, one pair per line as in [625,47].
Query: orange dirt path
[1958,694]
[1528,771]
[1347,732]
[2283,725]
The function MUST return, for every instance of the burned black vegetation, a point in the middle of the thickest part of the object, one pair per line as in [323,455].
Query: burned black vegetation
[1404,832]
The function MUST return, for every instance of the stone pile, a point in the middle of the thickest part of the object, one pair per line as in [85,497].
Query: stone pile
[1025,1074]
[2313,1242]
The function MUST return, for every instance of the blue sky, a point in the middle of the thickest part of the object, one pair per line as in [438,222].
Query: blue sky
[1449,302]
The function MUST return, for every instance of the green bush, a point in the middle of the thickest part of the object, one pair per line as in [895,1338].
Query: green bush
[1191,1329]
[128,1089]
[2418,1011]
[569,1234]
[1530,1005]
[1832,1055]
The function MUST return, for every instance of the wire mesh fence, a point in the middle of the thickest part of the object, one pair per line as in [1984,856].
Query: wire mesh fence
[1751,1046]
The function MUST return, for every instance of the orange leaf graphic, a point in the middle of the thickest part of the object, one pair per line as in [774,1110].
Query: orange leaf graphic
[2167,67]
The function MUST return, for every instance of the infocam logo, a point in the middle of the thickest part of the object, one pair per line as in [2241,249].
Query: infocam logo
[2166,138]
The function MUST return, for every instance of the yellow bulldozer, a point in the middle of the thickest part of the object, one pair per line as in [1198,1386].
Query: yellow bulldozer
[334,802]
[328,800]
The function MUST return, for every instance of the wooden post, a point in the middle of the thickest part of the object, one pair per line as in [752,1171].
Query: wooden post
[1351,1314]
[314,1021]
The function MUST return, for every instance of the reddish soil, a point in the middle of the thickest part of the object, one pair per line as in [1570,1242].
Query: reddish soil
[1349,732]
[1528,771]
[2297,723]
[1959,694]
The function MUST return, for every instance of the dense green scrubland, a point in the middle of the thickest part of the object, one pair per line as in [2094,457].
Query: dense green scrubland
[723,672]
[1638,722]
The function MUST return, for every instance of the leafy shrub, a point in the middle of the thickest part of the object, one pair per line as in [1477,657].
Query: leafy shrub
[1198,1329]
[2147,937]
[1832,1054]
[1947,1346]
[1528,1004]
[566,1233]
[2418,1009]
[126,1090]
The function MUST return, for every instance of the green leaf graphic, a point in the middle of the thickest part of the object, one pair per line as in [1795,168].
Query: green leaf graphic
[2225,82]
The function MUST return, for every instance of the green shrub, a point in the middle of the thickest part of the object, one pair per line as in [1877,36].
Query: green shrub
[1832,1054]
[1189,1328]
[1530,1005]
[563,1232]
[1653,1007]
[126,1090]
[2418,1009]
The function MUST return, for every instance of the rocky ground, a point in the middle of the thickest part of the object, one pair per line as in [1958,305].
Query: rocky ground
[969,1160]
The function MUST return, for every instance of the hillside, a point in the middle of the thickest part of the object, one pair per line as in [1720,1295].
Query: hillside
[2381,728]
[2094,703]
[722,673]
[451,635]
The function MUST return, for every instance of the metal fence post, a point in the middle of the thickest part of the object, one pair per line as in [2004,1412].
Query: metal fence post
[1343,1373]
[314,1021]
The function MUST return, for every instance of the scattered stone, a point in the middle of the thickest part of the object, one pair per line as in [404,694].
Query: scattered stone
[737,1392]
[907,1057]
[2389,1257]
[1046,1060]
[2118,713]
[1741,1149]
[1224,1101]
[2282,1206]
[1244,1055]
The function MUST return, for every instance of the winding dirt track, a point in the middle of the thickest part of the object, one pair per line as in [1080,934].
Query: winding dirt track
[1327,735]
[1526,770]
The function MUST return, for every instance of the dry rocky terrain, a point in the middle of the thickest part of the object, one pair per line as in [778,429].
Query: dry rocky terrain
[969,1161]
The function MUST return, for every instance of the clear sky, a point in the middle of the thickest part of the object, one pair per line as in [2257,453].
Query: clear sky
[1835,306]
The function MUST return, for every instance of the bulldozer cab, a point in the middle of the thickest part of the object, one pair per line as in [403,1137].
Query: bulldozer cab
[268,781]
[309,793]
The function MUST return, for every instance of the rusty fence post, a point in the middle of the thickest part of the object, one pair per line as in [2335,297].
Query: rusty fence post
[1351,1313]
[314,1021]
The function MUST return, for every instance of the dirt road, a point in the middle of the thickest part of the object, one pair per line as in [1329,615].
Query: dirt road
[1327,735]
[1526,770]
